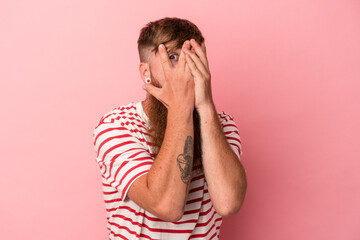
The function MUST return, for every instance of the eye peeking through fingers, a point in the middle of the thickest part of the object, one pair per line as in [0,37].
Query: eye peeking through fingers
[173,56]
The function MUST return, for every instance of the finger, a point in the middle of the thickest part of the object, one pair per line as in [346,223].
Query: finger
[187,71]
[194,70]
[155,91]
[182,59]
[164,58]
[199,64]
[199,51]
[204,48]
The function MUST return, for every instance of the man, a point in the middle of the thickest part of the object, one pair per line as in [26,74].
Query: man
[170,164]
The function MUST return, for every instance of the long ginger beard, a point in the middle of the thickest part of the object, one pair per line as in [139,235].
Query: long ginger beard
[158,118]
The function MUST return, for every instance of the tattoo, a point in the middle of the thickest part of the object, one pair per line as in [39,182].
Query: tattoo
[185,160]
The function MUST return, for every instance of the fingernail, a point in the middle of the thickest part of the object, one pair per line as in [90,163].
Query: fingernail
[161,46]
[193,40]
[187,42]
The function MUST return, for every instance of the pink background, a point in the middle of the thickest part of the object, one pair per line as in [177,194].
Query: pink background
[288,71]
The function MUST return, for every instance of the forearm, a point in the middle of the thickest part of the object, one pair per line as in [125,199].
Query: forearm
[224,172]
[169,176]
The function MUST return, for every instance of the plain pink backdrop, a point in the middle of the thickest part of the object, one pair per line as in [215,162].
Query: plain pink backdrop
[288,71]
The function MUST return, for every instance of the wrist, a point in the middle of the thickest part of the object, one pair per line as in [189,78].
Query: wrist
[180,111]
[207,109]
[180,108]
[180,116]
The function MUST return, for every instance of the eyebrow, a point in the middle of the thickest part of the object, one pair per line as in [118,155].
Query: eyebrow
[169,49]
[173,50]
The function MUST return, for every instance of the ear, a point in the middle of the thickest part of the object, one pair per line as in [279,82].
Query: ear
[144,70]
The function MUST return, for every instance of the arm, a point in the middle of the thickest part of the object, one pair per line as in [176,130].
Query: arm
[224,172]
[163,191]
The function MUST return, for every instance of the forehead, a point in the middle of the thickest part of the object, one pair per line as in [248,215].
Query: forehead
[171,46]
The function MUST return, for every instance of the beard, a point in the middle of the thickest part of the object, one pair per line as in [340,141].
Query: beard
[158,119]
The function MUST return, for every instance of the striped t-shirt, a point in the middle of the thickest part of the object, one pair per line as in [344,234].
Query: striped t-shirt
[122,145]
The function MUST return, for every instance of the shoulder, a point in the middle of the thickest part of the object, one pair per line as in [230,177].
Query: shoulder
[228,123]
[120,120]
[225,117]
[124,115]
[231,132]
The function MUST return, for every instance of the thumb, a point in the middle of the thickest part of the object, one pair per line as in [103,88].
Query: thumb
[155,91]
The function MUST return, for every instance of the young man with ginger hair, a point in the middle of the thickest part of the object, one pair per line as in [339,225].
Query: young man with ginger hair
[170,164]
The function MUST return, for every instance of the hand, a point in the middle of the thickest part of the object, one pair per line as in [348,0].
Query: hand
[177,92]
[199,66]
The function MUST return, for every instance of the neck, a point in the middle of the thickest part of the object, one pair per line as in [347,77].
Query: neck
[145,105]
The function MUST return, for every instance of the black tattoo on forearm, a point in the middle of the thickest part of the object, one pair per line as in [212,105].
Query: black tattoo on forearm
[185,160]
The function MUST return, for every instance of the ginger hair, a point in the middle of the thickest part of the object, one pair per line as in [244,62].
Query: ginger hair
[174,31]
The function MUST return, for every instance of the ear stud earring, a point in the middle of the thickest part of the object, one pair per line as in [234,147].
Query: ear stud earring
[148,80]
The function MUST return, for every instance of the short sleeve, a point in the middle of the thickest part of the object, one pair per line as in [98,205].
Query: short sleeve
[231,133]
[121,155]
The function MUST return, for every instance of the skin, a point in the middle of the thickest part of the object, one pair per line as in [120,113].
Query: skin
[223,171]
[163,190]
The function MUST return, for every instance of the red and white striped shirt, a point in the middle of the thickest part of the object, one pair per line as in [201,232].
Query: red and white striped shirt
[122,145]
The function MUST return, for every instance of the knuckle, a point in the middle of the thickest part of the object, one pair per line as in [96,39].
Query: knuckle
[186,43]
[192,54]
